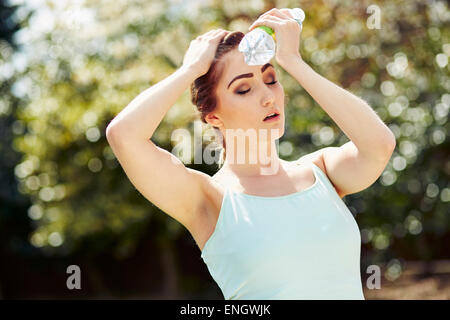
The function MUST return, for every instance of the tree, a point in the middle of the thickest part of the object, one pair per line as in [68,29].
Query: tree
[13,220]
[96,58]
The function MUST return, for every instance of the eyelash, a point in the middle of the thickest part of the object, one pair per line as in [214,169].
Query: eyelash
[244,92]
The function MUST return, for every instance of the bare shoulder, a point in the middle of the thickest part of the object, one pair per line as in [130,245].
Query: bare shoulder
[316,157]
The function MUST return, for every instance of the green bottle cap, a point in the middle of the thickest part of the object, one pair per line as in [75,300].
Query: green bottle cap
[268,30]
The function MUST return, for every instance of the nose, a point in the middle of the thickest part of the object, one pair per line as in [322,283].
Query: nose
[269,98]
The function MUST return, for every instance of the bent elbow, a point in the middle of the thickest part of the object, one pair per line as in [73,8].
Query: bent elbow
[112,134]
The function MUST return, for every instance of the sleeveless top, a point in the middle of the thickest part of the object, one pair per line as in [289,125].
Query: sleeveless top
[304,245]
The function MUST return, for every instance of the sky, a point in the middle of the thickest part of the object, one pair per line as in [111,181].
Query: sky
[73,14]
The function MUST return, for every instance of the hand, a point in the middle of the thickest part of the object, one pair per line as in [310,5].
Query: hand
[287,33]
[202,50]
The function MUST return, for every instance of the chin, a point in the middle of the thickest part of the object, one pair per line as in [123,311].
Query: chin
[281,126]
[281,129]
[281,132]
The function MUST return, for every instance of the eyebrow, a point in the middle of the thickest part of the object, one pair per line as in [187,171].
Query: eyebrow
[249,75]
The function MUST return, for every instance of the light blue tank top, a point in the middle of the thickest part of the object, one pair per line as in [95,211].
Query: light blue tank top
[304,245]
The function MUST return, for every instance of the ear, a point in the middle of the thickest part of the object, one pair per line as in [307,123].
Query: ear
[213,120]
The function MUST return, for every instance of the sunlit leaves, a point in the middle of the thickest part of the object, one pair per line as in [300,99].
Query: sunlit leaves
[84,63]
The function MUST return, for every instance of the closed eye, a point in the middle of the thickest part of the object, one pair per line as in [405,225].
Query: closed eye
[244,92]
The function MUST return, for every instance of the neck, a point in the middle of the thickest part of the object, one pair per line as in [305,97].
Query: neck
[252,160]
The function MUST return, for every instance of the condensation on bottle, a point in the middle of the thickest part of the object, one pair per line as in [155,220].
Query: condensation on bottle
[258,46]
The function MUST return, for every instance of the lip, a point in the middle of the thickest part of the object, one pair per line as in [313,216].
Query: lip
[276,118]
[271,111]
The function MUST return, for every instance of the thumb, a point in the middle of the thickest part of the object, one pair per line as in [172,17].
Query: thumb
[266,23]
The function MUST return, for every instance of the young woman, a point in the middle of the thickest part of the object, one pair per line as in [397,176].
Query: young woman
[267,228]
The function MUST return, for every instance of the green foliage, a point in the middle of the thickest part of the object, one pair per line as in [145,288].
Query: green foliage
[82,72]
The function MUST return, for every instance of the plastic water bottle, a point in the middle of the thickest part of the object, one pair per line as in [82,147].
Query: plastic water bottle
[258,46]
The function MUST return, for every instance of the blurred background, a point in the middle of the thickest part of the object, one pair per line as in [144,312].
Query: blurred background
[68,67]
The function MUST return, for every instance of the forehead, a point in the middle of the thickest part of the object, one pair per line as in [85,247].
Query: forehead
[234,64]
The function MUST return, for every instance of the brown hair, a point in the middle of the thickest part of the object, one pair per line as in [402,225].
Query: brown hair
[203,89]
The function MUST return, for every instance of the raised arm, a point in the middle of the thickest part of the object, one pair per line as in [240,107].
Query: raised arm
[156,173]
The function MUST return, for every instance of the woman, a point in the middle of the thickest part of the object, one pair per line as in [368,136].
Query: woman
[267,228]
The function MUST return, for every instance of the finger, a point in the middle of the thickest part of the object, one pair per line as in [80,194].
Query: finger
[286,13]
[218,33]
[270,17]
[209,34]
[221,32]
[282,13]
[270,21]
[265,14]
[275,18]
[212,32]
[225,32]
[268,12]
